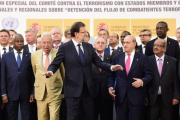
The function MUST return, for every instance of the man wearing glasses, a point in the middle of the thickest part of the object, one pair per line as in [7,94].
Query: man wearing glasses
[145,36]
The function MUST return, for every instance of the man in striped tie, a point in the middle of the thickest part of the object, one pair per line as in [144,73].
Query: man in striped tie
[163,90]
[130,83]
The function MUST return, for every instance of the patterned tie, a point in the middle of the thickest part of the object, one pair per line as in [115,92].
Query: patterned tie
[100,56]
[160,66]
[56,47]
[127,65]
[19,60]
[81,55]
[4,50]
[46,62]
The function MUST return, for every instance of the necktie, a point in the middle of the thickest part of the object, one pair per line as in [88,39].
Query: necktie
[56,47]
[100,58]
[19,60]
[112,49]
[4,50]
[127,65]
[160,66]
[46,63]
[81,55]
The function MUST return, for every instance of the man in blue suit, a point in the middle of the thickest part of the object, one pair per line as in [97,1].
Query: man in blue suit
[78,57]
[130,83]
[17,80]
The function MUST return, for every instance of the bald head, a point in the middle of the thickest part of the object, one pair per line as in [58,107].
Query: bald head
[129,44]
[56,34]
[18,42]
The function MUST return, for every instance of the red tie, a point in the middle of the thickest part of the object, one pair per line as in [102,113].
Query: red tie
[56,47]
[100,56]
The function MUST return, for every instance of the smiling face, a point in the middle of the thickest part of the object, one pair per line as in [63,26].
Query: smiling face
[4,38]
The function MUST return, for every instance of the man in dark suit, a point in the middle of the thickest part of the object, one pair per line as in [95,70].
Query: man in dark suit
[145,36]
[113,43]
[4,48]
[30,35]
[78,57]
[17,80]
[131,82]
[172,45]
[102,100]
[163,90]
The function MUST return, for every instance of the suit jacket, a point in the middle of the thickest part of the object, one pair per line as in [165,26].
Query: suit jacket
[139,69]
[172,48]
[17,82]
[168,81]
[53,84]
[26,48]
[100,79]
[118,51]
[140,49]
[76,72]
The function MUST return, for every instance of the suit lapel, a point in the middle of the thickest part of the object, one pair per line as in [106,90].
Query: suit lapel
[165,65]
[74,51]
[24,57]
[155,67]
[85,52]
[106,59]
[134,62]
[168,46]
[40,59]
[13,58]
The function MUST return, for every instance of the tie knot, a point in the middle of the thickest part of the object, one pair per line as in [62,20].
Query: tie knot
[129,55]
[112,49]
[4,48]
[159,59]
[19,53]
[79,45]
[46,54]
[144,46]
[100,55]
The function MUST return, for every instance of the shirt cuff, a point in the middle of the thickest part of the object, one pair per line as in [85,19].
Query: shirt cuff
[111,68]
[142,84]
[4,94]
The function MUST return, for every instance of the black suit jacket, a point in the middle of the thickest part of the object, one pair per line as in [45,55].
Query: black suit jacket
[168,81]
[118,51]
[172,48]
[140,49]
[100,79]
[76,72]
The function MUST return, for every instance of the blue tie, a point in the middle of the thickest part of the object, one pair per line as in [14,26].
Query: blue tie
[19,60]
[81,55]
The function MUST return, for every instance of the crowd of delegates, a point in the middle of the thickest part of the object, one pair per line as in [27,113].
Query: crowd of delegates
[73,80]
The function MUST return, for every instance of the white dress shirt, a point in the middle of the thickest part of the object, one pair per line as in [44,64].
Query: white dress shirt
[44,58]
[32,48]
[143,49]
[54,45]
[131,58]
[2,50]
[164,38]
[157,62]
[115,48]
[16,54]
[76,46]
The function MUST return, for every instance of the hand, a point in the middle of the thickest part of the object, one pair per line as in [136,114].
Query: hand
[175,101]
[2,106]
[111,92]
[117,67]
[138,83]
[48,73]
[5,99]
[32,99]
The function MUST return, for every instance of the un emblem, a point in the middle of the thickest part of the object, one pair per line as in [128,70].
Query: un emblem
[10,23]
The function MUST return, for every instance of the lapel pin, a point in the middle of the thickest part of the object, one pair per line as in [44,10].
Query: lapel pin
[107,58]
[26,54]
[169,42]
[137,59]
[167,62]
[119,50]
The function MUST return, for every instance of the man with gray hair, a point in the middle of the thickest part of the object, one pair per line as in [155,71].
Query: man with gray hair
[47,91]
[30,35]
[57,37]
[163,90]
[145,36]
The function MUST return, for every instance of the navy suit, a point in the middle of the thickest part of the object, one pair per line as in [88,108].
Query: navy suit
[17,84]
[78,84]
[128,98]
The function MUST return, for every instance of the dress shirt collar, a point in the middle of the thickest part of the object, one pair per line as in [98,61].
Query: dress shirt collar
[34,45]
[157,58]
[115,48]
[48,54]
[102,54]
[143,45]
[7,47]
[15,52]
[75,43]
[132,53]
[164,38]
[54,45]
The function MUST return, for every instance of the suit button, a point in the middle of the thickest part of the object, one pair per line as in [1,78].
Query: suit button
[19,72]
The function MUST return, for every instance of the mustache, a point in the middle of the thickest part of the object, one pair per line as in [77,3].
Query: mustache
[156,49]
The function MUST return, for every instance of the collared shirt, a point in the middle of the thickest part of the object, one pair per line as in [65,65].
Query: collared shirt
[44,58]
[32,48]
[164,38]
[54,45]
[2,50]
[76,46]
[157,62]
[16,54]
[143,48]
[115,48]
[102,54]
[131,57]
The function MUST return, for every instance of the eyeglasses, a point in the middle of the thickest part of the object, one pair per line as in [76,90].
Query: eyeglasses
[156,45]
[102,43]
[56,33]
[144,35]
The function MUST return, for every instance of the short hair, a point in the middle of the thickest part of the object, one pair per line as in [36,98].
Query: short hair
[57,28]
[47,34]
[163,23]
[126,32]
[31,30]
[17,34]
[99,38]
[88,34]
[66,32]
[4,30]
[76,27]
[144,30]
[12,31]
[103,30]
[177,29]
[39,36]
